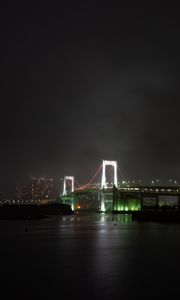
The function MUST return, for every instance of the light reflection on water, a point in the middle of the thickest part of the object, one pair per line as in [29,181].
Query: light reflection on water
[101,218]
[96,256]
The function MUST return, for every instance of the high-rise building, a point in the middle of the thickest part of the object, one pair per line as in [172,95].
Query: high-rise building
[42,190]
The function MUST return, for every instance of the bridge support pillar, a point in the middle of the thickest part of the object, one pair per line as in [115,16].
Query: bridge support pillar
[71,179]
[105,163]
[102,201]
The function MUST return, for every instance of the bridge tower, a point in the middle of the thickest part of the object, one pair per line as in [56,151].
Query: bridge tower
[68,178]
[112,163]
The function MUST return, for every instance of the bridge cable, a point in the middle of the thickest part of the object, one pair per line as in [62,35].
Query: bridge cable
[95,175]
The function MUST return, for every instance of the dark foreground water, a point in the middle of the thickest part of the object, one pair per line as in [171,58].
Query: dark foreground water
[87,256]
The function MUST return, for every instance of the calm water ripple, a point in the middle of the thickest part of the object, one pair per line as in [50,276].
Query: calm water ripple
[89,256]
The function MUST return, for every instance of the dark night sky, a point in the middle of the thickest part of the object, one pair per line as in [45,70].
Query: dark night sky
[83,81]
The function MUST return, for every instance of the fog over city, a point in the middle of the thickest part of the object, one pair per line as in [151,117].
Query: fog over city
[82,82]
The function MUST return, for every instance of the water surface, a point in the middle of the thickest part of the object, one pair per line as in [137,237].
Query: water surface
[89,256]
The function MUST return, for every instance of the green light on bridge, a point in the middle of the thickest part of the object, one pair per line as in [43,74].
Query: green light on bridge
[128,205]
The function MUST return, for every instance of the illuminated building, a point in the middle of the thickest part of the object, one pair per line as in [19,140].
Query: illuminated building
[42,190]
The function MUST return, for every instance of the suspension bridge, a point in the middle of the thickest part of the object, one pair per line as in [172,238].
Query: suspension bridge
[103,192]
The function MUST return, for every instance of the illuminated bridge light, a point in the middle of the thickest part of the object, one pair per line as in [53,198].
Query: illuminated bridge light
[68,178]
[102,206]
[114,165]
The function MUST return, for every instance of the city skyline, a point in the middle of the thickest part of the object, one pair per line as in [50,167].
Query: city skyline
[97,178]
[89,149]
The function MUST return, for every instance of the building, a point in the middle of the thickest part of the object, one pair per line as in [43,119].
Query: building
[42,190]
